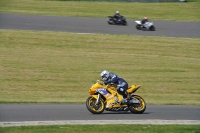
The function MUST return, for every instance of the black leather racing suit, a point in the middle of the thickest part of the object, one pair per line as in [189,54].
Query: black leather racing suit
[116,16]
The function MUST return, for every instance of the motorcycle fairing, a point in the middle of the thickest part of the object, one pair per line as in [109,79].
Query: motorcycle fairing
[133,88]
[138,22]
[112,100]
[94,87]
[148,24]
[104,92]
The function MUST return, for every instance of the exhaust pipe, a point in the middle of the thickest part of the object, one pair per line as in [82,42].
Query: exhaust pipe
[134,100]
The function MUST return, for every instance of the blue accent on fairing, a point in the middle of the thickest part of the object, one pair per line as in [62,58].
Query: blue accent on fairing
[102,91]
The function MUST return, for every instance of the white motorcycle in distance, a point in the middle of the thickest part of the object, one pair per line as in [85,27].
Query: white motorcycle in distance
[147,26]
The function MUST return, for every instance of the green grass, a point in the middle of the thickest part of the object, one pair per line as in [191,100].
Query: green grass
[193,0]
[156,11]
[104,129]
[48,67]
[61,67]
[141,1]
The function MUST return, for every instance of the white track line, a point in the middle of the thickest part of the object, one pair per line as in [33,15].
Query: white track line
[102,122]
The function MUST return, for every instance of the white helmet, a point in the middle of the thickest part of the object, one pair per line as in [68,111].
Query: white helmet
[117,12]
[104,75]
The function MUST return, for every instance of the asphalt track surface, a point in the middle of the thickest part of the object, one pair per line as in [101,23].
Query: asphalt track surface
[52,114]
[96,25]
[39,112]
[73,112]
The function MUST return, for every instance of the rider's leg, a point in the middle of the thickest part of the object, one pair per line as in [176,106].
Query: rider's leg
[124,93]
[128,96]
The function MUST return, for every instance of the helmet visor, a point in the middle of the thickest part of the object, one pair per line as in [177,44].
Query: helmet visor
[104,77]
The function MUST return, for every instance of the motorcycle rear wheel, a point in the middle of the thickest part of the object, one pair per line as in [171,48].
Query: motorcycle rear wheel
[124,23]
[137,108]
[93,107]
[152,28]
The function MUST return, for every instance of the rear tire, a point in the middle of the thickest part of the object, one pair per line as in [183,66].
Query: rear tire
[137,108]
[125,23]
[152,28]
[93,107]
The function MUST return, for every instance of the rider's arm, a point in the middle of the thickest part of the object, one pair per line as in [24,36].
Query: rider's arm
[113,78]
[107,82]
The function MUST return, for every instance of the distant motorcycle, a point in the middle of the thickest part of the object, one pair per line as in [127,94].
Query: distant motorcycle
[147,26]
[121,21]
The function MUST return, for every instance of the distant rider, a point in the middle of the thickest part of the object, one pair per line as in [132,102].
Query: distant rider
[117,16]
[144,20]
[111,78]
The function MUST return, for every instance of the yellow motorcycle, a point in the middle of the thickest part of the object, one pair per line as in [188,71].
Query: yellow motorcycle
[105,97]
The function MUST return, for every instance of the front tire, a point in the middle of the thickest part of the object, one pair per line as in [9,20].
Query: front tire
[138,108]
[109,22]
[93,107]
[138,26]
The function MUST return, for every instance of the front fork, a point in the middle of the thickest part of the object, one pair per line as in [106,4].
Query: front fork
[98,99]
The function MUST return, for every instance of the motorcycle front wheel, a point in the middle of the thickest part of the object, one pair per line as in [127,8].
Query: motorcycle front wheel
[93,107]
[138,26]
[109,22]
[137,108]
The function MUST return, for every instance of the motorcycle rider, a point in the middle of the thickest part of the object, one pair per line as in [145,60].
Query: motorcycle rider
[117,16]
[143,21]
[122,85]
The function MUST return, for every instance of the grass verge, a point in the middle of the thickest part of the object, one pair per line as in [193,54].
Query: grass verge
[61,67]
[104,128]
[155,11]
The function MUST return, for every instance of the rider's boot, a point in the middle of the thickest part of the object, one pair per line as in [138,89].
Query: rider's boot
[128,96]
[142,27]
